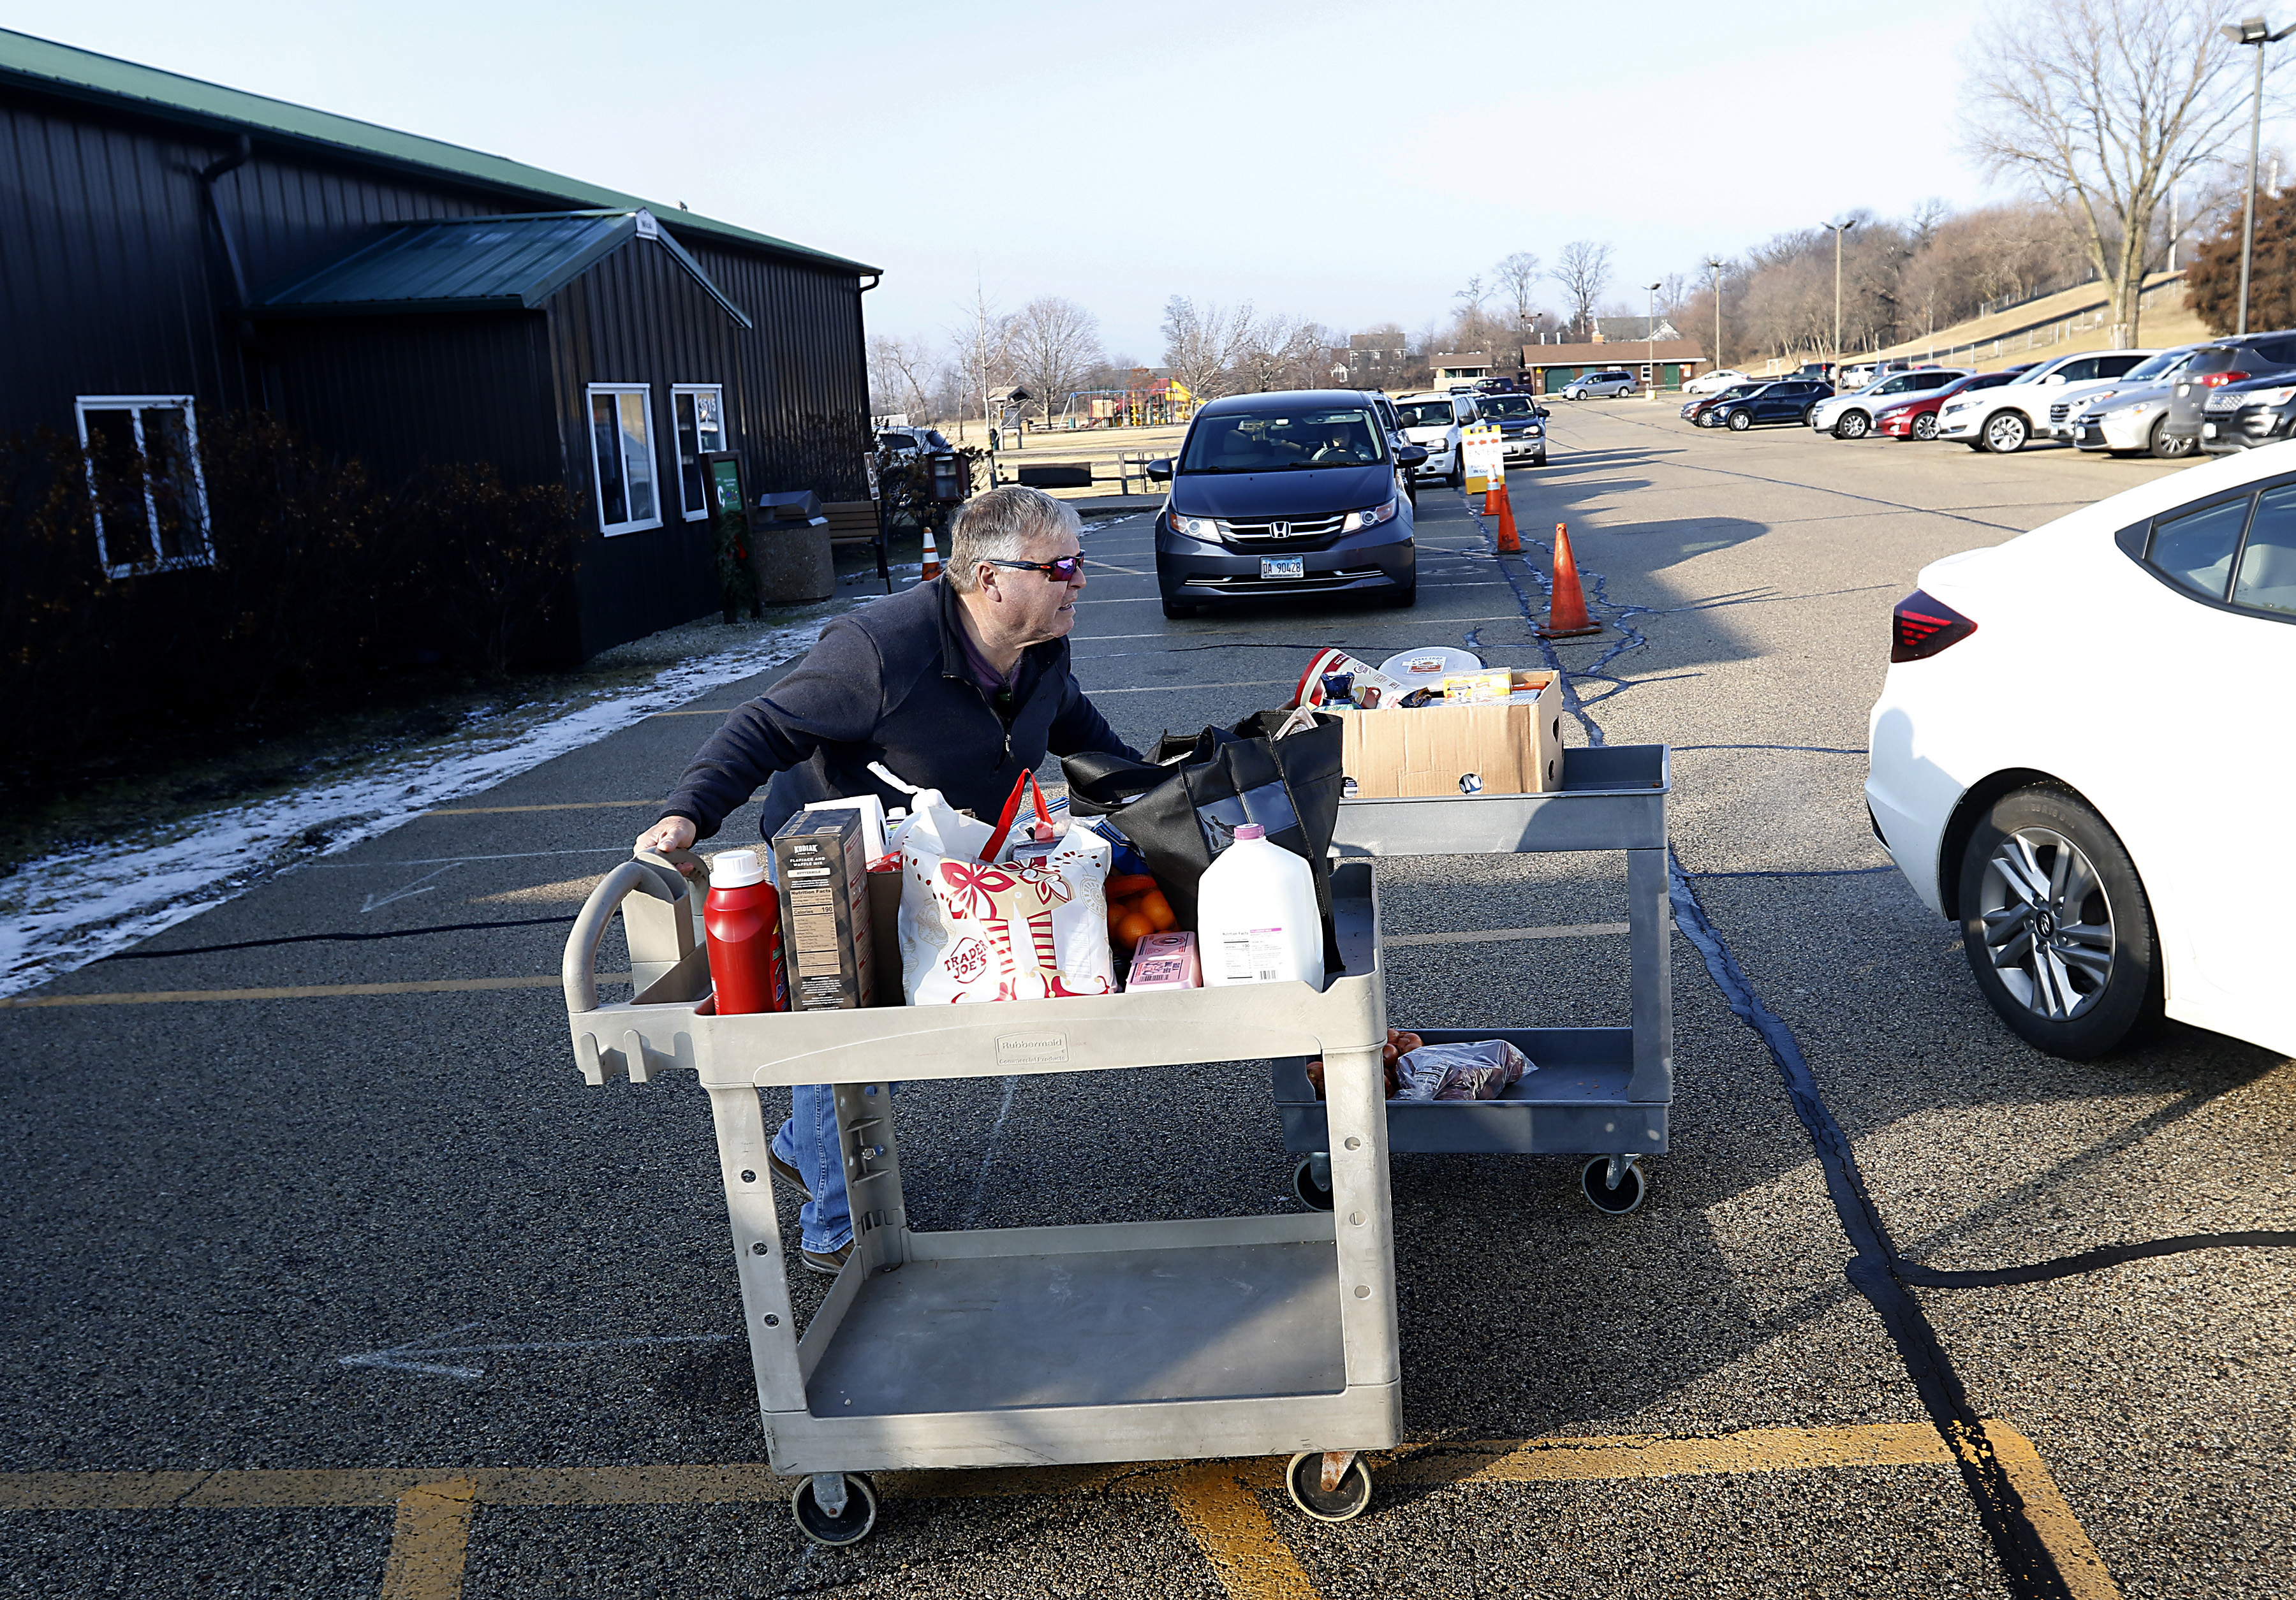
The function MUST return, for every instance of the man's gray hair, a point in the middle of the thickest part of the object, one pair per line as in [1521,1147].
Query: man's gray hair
[1000,525]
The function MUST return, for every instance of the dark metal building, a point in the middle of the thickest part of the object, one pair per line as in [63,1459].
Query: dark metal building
[168,245]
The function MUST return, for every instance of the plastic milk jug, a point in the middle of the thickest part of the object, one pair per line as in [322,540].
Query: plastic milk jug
[1255,920]
[743,918]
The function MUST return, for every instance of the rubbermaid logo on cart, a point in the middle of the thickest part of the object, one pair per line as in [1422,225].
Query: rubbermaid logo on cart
[1031,1049]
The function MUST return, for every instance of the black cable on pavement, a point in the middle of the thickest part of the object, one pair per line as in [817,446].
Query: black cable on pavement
[312,939]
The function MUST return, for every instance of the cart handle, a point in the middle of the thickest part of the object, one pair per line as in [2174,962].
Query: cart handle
[578,971]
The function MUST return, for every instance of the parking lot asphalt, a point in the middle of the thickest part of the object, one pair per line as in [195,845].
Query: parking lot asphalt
[350,1287]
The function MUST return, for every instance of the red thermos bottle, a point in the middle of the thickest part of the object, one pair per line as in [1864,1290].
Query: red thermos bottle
[742,917]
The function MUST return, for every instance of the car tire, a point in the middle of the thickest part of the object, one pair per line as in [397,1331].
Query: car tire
[2005,432]
[1852,424]
[1539,460]
[1177,610]
[1925,426]
[2165,448]
[1404,598]
[2037,855]
[1740,421]
[1807,412]
[1458,476]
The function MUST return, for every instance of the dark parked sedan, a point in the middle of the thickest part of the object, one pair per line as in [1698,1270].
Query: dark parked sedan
[2228,361]
[1281,494]
[1786,402]
[2241,416]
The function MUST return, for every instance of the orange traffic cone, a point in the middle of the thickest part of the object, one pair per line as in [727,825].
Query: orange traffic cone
[1491,492]
[931,569]
[1509,542]
[1566,608]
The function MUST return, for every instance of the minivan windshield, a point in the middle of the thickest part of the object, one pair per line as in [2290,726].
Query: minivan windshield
[1425,413]
[1514,406]
[1280,440]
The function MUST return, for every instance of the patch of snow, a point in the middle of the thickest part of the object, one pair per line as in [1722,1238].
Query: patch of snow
[65,910]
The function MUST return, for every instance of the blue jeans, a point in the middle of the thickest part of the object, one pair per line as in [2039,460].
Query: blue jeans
[808,1140]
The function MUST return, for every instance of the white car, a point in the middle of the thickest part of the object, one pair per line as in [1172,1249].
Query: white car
[1433,421]
[2132,422]
[2007,419]
[2065,408]
[1715,382]
[2112,841]
[1851,415]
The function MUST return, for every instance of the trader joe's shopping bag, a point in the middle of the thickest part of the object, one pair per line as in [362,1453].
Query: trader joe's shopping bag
[987,916]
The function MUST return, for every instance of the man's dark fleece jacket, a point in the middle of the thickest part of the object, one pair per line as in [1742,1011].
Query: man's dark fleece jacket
[889,683]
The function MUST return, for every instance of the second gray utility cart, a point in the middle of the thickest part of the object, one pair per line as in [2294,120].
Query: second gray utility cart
[1601,1092]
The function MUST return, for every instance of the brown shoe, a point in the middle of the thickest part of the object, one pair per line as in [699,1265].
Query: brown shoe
[830,1265]
[789,1175]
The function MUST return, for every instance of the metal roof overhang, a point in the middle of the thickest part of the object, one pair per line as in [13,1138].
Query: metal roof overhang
[43,64]
[473,264]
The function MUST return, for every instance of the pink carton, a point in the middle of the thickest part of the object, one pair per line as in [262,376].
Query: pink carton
[1166,961]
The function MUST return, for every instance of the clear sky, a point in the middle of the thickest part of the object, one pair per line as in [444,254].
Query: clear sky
[1346,161]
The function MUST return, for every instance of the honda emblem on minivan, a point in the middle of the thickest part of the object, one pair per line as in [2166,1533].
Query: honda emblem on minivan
[1282,531]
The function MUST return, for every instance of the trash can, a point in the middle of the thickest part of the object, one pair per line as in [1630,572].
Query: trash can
[790,549]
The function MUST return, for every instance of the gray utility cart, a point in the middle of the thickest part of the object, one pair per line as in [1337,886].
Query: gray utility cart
[1602,1092]
[1033,1346]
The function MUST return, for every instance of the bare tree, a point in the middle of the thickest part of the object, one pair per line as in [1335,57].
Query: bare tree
[2100,105]
[1202,344]
[1281,352]
[1517,277]
[979,345]
[1584,272]
[1053,342]
[902,377]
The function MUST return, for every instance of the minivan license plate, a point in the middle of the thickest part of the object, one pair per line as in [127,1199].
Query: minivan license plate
[1284,566]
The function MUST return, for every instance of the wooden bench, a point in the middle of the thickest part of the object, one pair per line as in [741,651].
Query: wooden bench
[854,522]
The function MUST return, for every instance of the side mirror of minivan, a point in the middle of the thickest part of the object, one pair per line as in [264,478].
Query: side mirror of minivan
[1411,455]
[1160,470]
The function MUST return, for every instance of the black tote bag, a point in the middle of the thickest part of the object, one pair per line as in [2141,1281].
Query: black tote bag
[1181,812]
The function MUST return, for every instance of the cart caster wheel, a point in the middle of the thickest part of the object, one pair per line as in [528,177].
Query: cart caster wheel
[849,1526]
[1316,1196]
[1595,1180]
[1304,1479]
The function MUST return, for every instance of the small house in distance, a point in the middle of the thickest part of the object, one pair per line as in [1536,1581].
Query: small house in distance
[1549,367]
[174,246]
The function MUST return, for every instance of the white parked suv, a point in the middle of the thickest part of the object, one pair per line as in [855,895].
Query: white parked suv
[1851,415]
[2007,419]
[1715,382]
[1433,421]
[2108,856]
[2066,407]
[1608,384]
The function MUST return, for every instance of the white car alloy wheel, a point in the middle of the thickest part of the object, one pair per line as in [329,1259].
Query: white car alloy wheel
[1740,421]
[1852,424]
[1925,426]
[2006,431]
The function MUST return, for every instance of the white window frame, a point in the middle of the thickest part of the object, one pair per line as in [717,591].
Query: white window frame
[653,458]
[136,405]
[694,513]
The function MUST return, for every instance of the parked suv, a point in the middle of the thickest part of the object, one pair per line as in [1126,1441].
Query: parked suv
[2239,417]
[1433,421]
[1701,409]
[1851,415]
[1276,496]
[1788,401]
[1522,422]
[2069,402]
[2226,361]
[2007,419]
[1606,385]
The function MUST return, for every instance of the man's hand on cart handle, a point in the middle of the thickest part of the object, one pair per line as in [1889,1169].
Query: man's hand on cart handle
[672,836]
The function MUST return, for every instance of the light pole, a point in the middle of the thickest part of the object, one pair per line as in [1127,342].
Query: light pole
[1837,229]
[1650,340]
[1716,266]
[2257,32]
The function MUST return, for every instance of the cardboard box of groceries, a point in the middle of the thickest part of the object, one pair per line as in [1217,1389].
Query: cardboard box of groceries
[1471,742]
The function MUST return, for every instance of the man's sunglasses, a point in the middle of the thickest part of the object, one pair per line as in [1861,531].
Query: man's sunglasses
[1068,569]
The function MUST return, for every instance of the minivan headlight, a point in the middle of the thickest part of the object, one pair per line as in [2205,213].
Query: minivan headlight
[1195,528]
[1368,518]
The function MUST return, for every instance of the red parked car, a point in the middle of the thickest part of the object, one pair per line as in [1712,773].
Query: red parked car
[1916,416]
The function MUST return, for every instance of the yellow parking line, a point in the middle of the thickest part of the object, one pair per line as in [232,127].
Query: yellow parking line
[305,991]
[1247,1554]
[429,1542]
[1216,1500]
[561,805]
[2053,1523]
